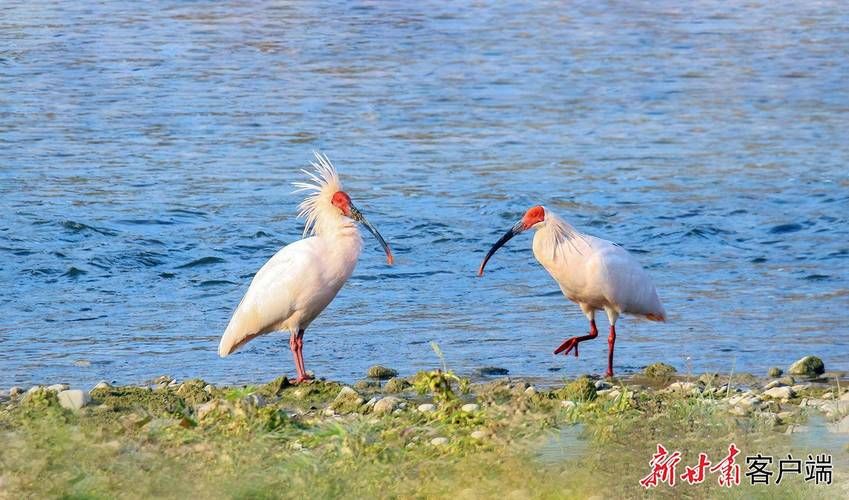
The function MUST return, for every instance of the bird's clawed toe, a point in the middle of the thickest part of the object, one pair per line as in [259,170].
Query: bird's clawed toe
[567,346]
[303,379]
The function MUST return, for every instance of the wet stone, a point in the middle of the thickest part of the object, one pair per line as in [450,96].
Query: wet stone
[386,405]
[15,391]
[492,371]
[659,370]
[381,372]
[775,372]
[101,385]
[809,366]
[73,399]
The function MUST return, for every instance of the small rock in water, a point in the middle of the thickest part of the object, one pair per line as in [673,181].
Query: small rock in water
[73,399]
[775,372]
[439,441]
[386,405]
[426,408]
[659,370]
[58,387]
[469,407]
[163,379]
[82,363]
[492,371]
[809,366]
[15,391]
[381,372]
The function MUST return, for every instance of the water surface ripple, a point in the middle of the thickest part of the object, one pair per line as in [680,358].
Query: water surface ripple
[147,151]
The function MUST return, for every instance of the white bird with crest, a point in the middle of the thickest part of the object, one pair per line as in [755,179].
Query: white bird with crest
[295,285]
[595,273]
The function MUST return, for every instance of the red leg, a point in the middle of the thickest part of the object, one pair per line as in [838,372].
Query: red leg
[611,339]
[302,375]
[572,343]
[293,345]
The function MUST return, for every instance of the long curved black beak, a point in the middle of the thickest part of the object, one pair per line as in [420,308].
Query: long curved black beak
[516,229]
[359,217]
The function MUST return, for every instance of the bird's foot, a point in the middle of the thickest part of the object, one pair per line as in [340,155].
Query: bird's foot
[608,374]
[567,346]
[303,378]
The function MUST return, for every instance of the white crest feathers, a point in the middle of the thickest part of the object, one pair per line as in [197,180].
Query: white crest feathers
[561,232]
[318,203]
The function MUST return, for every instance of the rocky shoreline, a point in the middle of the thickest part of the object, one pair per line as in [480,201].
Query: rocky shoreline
[431,414]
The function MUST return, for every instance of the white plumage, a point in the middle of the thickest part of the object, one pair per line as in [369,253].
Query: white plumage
[592,272]
[300,280]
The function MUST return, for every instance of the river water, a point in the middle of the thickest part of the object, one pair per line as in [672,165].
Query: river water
[147,151]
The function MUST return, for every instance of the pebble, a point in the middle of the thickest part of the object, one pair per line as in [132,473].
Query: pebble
[439,441]
[15,391]
[775,372]
[609,393]
[469,407]
[386,405]
[73,399]
[101,385]
[163,379]
[206,408]
[479,435]
[688,388]
[602,385]
[785,415]
[784,393]
[568,404]
[426,408]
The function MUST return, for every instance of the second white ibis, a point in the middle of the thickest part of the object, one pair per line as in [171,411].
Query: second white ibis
[594,273]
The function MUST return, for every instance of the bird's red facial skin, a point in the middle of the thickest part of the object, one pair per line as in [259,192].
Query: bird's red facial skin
[533,216]
[342,201]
